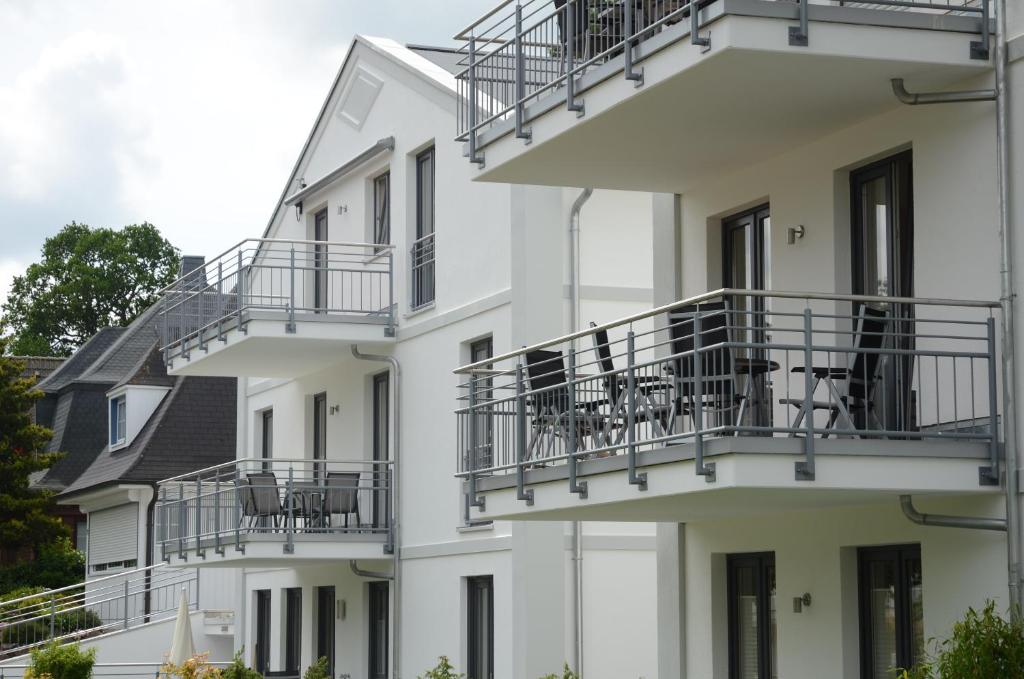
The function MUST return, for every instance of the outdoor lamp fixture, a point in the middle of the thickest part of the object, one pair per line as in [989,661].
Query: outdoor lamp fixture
[800,601]
[298,211]
[794,233]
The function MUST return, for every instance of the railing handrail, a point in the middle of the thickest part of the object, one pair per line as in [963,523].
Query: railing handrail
[285,241]
[269,460]
[463,35]
[725,292]
[83,584]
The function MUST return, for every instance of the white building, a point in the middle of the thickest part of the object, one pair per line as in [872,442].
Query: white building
[785,160]
[382,270]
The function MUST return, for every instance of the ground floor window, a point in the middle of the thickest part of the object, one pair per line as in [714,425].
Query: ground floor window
[891,610]
[480,627]
[261,646]
[752,626]
[378,632]
[325,626]
[292,628]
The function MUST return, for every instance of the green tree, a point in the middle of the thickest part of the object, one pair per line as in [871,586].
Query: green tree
[25,519]
[87,279]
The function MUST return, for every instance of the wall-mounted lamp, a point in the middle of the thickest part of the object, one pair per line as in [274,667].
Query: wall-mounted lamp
[298,211]
[794,233]
[341,609]
[342,209]
[800,601]
[335,409]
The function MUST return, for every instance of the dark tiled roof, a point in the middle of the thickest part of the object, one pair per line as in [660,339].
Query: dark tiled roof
[122,357]
[39,367]
[81,360]
[193,427]
[80,432]
[150,371]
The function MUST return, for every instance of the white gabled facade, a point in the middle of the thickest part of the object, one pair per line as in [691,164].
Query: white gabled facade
[500,264]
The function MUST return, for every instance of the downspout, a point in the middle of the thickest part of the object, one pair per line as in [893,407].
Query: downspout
[354,565]
[396,562]
[1006,295]
[944,521]
[577,526]
[150,548]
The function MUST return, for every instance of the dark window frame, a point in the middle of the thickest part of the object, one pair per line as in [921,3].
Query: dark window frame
[319,434]
[261,643]
[320,261]
[292,629]
[423,262]
[267,437]
[325,625]
[479,633]
[481,349]
[764,562]
[380,396]
[901,557]
[379,603]
[382,208]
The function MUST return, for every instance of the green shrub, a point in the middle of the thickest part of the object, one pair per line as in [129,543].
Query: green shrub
[56,565]
[61,661]
[444,670]
[36,627]
[238,669]
[566,674]
[983,646]
[317,670]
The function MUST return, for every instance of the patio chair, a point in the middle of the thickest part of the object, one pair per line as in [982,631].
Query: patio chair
[341,497]
[552,411]
[648,387]
[720,366]
[261,500]
[861,378]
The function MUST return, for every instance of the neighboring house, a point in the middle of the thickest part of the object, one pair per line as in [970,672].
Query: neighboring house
[39,367]
[351,537]
[786,433]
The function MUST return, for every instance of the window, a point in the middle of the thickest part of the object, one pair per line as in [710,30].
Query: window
[423,246]
[381,427]
[267,437]
[325,626]
[114,565]
[751,594]
[481,452]
[320,256]
[292,628]
[378,632]
[382,209]
[320,430]
[480,627]
[261,647]
[891,609]
[118,420]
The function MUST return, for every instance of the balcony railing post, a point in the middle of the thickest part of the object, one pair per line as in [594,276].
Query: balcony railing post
[695,37]
[990,475]
[53,615]
[571,12]
[705,470]
[220,300]
[240,292]
[639,480]
[520,95]
[126,603]
[289,545]
[578,487]
[389,331]
[217,548]
[164,528]
[474,499]
[522,493]
[199,517]
[798,34]
[165,338]
[182,520]
[471,102]
[805,467]
[636,75]
[238,510]
[979,49]
[290,326]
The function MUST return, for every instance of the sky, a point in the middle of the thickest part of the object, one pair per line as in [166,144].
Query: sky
[188,114]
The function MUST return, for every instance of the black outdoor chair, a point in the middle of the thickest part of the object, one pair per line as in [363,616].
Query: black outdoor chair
[720,366]
[261,500]
[861,378]
[342,495]
[650,392]
[552,410]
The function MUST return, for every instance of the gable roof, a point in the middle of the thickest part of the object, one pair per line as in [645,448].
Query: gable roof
[81,360]
[412,61]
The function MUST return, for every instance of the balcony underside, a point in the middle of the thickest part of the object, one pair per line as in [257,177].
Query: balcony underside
[268,551]
[754,475]
[266,347]
[752,96]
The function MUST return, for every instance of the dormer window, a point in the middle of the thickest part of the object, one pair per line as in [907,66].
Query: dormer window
[118,421]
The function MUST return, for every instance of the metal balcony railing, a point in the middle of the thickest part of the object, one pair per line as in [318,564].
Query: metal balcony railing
[275,499]
[523,50]
[97,606]
[804,366]
[422,271]
[320,279]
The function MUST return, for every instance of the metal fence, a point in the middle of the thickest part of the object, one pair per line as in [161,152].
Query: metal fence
[94,607]
[523,50]
[736,363]
[281,499]
[338,281]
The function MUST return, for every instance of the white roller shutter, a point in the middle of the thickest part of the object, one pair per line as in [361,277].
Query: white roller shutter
[114,534]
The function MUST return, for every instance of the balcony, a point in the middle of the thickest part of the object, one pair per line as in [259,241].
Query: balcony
[706,407]
[276,512]
[703,88]
[277,308]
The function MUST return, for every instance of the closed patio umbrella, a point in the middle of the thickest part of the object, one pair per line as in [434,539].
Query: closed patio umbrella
[182,647]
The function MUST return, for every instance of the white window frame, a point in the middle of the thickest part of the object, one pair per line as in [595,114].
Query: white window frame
[118,423]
